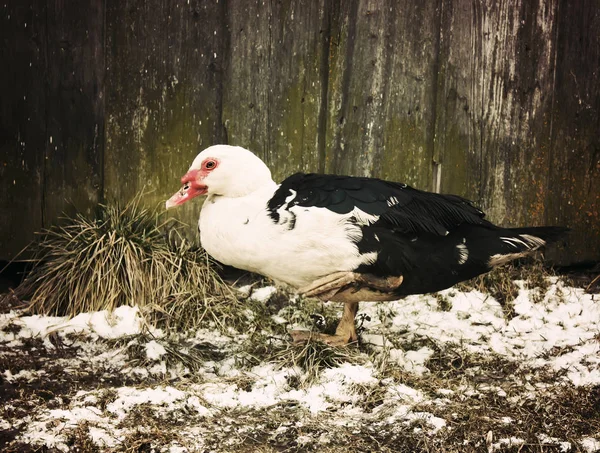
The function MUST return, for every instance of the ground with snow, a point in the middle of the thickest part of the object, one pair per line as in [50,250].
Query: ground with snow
[445,372]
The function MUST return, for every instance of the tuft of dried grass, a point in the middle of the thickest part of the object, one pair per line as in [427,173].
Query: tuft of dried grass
[125,256]
[312,357]
[500,281]
[310,311]
[81,437]
[178,351]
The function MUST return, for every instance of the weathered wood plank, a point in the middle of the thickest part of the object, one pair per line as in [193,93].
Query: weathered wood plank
[381,94]
[573,196]
[459,100]
[273,90]
[75,109]
[297,75]
[518,62]
[163,85]
[494,104]
[22,122]
[410,93]
[494,100]
[246,91]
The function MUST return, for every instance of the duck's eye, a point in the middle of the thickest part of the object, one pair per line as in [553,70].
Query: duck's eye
[210,165]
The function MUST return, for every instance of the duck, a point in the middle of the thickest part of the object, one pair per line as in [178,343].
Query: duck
[343,238]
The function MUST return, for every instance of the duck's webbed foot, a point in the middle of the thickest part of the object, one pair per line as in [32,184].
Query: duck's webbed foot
[344,334]
[302,336]
[353,286]
[350,288]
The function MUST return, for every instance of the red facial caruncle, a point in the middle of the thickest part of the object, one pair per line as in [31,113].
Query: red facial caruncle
[193,183]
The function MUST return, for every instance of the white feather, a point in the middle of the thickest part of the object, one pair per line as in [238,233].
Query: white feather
[463,253]
[526,241]
[320,243]
[514,242]
[364,218]
[533,241]
[392,201]
[286,217]
[498,259]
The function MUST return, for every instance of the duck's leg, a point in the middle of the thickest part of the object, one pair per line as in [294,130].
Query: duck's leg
[346,330]
[344,334]
[350,288]
[325,288]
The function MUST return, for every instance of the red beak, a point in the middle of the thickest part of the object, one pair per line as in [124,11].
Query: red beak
[190,188]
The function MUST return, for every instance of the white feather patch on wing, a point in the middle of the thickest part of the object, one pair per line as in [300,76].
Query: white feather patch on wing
[463,253]
[290,197]
[363,218]
[392,201]
[368,258]
[514,242]
[285,216]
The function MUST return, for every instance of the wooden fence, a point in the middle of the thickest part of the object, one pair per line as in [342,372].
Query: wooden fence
[495,100]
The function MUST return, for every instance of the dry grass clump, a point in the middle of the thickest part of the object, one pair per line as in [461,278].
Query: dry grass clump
[312,357]
[145,431]
[310,311]
[177,351]
[125,257]
[490,394]
[500,281]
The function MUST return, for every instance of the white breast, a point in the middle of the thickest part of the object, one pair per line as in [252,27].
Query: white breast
[240,233]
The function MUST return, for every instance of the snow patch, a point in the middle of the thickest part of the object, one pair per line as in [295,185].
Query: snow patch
[263,294]
[124,320]
[154,350]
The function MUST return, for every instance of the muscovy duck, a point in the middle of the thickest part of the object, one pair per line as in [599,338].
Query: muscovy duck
[343,238]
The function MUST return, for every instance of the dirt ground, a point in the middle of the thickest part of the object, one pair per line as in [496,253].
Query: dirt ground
[406,388]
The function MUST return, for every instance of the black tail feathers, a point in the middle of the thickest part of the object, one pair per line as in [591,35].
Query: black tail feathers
[548,234]
[516,243]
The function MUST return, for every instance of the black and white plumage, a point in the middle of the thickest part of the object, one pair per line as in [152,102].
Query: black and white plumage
[379,240]
[433,240]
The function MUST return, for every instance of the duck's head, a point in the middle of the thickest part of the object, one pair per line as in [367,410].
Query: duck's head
[229,171]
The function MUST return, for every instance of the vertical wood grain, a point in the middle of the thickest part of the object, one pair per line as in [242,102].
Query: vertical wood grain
[381,97]
[74,109]
[273,89]
[164,66]
[497,101]
[22,123]
[573,196]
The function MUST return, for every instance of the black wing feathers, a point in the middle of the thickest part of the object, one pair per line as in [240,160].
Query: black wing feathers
[433,213]
[399,206]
